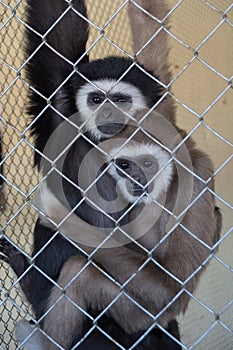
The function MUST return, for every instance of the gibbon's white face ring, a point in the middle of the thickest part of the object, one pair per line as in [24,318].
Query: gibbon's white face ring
[107,86]
[158,181]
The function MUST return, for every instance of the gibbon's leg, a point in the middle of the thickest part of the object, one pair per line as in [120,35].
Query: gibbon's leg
[65,320]
[91,289]
[154,56]
[156,339]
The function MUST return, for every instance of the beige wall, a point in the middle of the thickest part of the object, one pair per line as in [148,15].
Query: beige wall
[197,88]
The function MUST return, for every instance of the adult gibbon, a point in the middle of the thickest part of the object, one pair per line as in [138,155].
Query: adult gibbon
[65,83]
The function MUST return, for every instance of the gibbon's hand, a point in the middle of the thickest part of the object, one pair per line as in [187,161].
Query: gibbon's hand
[18,262]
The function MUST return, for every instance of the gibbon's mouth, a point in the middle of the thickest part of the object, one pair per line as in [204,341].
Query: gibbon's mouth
[137,190]
[111,128]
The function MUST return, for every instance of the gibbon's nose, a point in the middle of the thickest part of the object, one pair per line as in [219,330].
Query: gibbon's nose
[107,112]
[138,179]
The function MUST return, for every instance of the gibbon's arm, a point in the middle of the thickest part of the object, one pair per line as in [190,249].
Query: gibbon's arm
[56,38]
[59,24]
[152,287]
[154,56]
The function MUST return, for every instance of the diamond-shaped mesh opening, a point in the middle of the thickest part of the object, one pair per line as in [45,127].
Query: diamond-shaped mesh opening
[200,58]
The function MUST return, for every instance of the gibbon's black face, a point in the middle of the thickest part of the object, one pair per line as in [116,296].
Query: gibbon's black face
[141,170]
[111,92]
[139,173]
[109,111]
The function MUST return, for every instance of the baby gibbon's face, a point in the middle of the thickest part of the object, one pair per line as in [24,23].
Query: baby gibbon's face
[142,173]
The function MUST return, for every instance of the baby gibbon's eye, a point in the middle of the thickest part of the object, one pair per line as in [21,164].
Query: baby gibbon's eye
[148,164]
[124,165]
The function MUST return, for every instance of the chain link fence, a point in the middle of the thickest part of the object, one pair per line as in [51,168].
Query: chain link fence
[201,60]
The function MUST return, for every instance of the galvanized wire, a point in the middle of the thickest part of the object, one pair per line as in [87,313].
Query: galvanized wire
[20,180]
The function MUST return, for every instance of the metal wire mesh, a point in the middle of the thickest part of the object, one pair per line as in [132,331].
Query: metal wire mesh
[201,61]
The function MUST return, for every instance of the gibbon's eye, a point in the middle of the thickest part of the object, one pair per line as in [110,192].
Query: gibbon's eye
[97,100]
[122,164]
[148,164]
[118,98]
[121,100]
